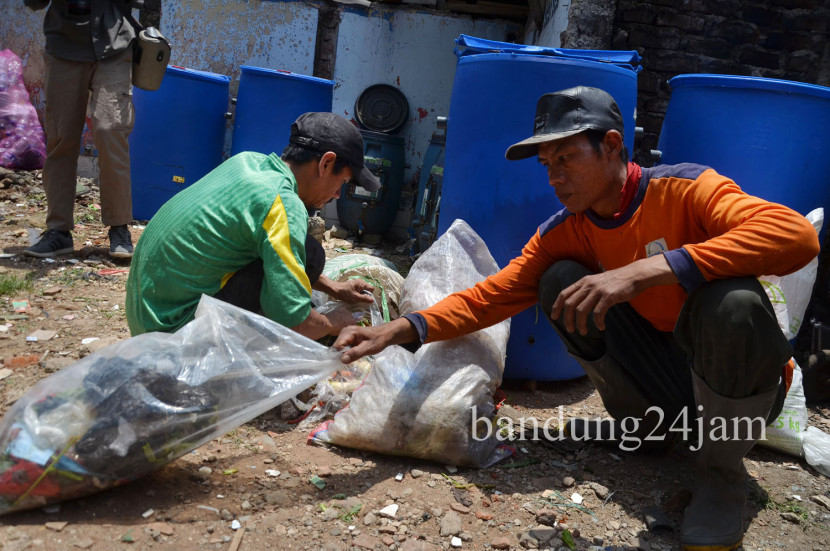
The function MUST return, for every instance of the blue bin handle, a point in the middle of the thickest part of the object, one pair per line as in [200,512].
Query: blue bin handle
[627,59]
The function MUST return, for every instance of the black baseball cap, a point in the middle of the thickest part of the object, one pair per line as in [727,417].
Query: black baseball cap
[568,112]
[330,132]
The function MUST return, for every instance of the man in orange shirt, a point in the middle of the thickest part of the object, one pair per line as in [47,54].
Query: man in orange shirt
[649,277]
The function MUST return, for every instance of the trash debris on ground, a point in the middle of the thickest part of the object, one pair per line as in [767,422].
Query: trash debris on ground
[134,406]
[22,141]
[420,405]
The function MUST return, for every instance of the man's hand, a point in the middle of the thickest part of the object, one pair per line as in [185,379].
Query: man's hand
[353,290]
[595,294]
[350,291]
[371,340]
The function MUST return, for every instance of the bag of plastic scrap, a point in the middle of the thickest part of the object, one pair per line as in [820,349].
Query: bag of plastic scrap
[22,142]
[133,406]
[381,274]
[334,393]
[790,294]
[423,405]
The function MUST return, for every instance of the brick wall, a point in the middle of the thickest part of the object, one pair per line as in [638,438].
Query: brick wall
[785,39]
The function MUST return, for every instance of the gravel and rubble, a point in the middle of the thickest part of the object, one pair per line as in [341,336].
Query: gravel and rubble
[261,486]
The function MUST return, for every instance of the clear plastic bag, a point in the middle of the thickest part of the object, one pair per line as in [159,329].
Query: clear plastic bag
[138,404]
[786,433]
[790,294]
[423,405]
[22,142]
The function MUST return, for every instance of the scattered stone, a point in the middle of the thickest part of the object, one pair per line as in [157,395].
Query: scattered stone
[568,481]
[527,541]
[84,543]
[451,524]
[388,541]
[457,507]
[389,511]
[246,505]
[600,490]
[639,543]
[22,361]
[546,517]
[52,291]
[365,541]
[483,516]
[416,473]
[821,500]
[324,471]
[369,519]
[500,542]
[791,517]
[56,526]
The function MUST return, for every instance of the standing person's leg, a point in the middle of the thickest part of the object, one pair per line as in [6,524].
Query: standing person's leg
[731,331]
[67,94]
[632,365]
[112,116]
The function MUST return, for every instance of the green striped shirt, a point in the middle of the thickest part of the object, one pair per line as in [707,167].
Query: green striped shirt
[245,209]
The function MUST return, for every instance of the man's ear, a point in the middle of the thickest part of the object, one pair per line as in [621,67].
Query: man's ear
[613,143]
[327,162]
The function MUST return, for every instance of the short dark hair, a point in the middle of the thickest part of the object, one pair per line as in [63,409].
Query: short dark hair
[595,138]
[300,155]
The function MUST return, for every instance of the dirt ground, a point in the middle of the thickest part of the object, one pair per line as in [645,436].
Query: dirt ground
[197,501]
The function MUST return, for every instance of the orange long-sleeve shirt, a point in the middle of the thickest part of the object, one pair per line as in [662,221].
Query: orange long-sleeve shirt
[702,222]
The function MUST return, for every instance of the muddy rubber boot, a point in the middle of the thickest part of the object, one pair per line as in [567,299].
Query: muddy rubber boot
[713,521]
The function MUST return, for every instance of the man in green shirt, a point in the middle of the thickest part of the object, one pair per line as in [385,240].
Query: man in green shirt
[240,234]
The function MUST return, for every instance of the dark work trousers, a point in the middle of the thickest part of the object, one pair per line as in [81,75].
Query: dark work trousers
[244,287]
[726,332]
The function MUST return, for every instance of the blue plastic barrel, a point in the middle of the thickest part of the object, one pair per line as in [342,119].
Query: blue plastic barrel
[769,136]
[178,136]
[492,106]
[268,101]
[360,210]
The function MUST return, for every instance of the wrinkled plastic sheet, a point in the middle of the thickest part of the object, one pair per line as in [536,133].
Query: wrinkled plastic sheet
[422,405]
[138,404]
[22,142]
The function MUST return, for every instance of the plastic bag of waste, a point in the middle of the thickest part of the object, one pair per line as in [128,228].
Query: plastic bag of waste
[786,433]
[425,405]
[381,274]
[817,450]
[790,294]
[22,143]
[138,404]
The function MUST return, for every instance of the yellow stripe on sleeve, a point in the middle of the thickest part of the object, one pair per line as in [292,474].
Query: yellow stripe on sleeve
[279,235]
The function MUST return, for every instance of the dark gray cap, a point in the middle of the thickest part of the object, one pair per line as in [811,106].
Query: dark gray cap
[330,132]
[568,112]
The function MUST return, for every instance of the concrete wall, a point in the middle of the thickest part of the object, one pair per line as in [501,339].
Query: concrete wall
[413,51]
[408,47]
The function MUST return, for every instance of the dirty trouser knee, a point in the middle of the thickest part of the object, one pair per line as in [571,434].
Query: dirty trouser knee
[633,365]
[729,329]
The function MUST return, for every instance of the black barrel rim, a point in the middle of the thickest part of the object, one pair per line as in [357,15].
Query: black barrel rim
[381,108]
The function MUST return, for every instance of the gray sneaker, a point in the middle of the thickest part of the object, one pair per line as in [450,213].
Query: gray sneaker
[51,244]
[121,242]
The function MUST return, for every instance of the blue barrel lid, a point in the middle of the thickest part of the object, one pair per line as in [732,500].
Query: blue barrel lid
[564,61]
[283,74]
[628,59]
[196,75]
[757,83]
